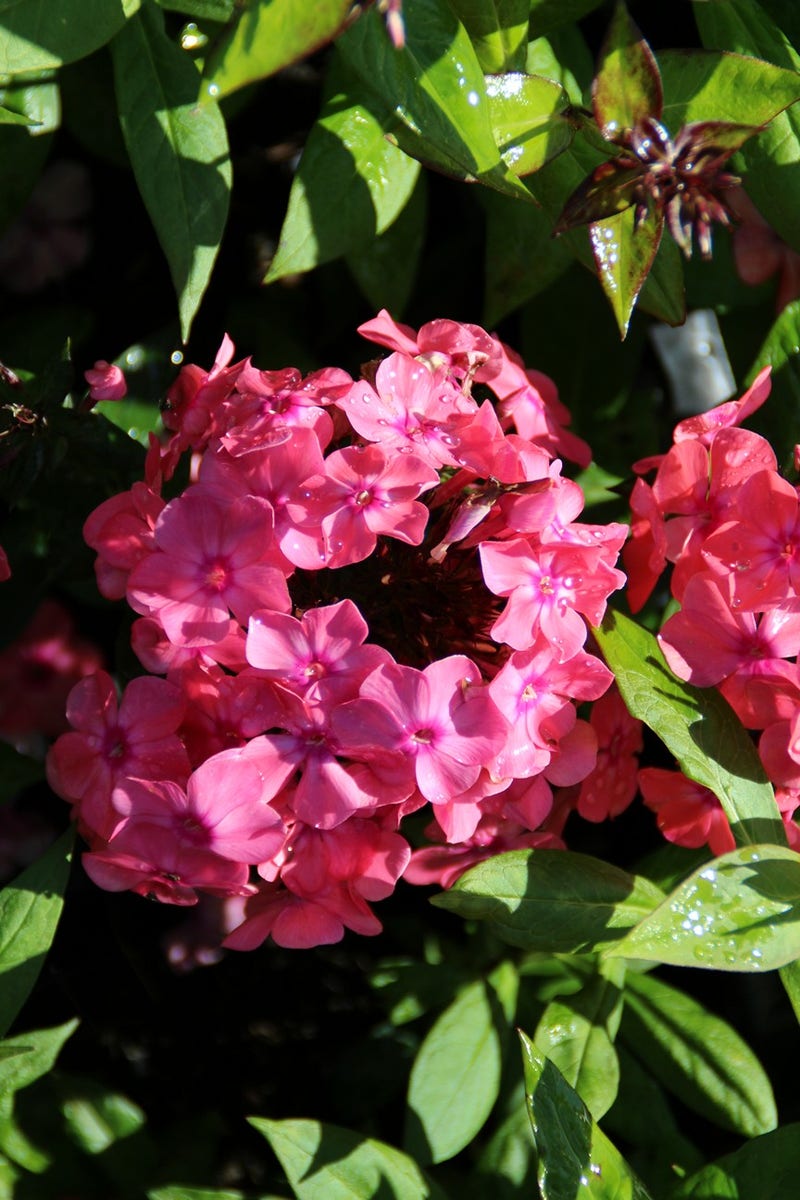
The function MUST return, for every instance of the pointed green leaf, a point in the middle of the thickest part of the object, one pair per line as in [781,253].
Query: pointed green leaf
[781,346]
[267,36]
[767,1168]
[30,907]
[623,256]
[39,35]
[528,121]
[456,1076]
[350,186]
[498,30]
[325,1162]
[178,150]
[698,1056]
[576,1159]
[435,88]
[697,725]
[739,912]
[577,1034]
[627,87]
[711,85]
[8,117]
[553,14]
[775,154]
[39,1051]
[38,101]
[551,900]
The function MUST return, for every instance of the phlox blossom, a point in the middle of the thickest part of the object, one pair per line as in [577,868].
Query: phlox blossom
[106,381]
[687,813]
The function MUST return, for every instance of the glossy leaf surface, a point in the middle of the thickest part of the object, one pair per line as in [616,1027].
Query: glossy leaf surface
[527,118]
[326,1162]
[576,1159]
[698,1056]
[435,88]
[552,900]
[267,36]
[697,726]
[739,912]
[350,186]
[498,30]
[577,1034]
[37,35]
[719,86]
[178,150]
[30,907]
[624,255]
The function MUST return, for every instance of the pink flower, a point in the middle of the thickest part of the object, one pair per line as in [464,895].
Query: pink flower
[440,719]
[5,570]
[106,381]
[210,560]
[687,813]
[611,787]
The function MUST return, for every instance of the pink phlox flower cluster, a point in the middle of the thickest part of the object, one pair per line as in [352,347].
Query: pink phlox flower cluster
[719,511]
[277,761]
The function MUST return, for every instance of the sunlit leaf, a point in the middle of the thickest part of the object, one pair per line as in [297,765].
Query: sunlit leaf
[576,1159]
[38,35]
[577,1034]
[179,153]
[39,1050]
[498,29]
[267,36]
[456,1076]
[710,85]
[697,725]
[738,912]
[326,1162]
[698,1056]
[30,907]
[624,255]
[435,88]
[350,186]
[527,114]
[551,900]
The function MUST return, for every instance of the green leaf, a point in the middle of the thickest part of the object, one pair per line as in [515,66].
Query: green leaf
[627,86]
[326,1162]
[577,1034]
[455,1079]
[739,912]
[435,89]
[27,148]
[179,153]
[38,35]
[781,346]
[267,36]
[697,725]
[212,10]
[8,117]
[551,900]
[96,1118]
[767,1167]
[697,1056]
[30,907]
[350,186]
[498,30]
[553,14]
[772,160]
[39,1051]
[528,121]
[385,269]
[522,259]
[710,85]
[192,1193]
[576,1159]
[624,256]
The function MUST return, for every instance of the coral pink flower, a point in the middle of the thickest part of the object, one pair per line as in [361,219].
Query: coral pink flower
[687,813]
[210,560]
[441,719]
[5,570]
[121,530]
[611,786]
[114,742]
